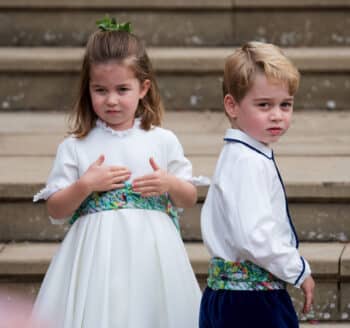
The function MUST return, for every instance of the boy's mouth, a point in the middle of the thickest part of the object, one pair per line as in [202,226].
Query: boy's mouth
[275,131]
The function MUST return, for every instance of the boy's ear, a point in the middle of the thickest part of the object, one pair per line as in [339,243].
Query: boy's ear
[231,106]
[146,84]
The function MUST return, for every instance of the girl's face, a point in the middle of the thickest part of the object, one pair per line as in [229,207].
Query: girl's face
[115,93]
[265,112]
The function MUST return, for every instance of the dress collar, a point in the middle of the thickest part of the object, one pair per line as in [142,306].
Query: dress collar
[122,133]
[235,135]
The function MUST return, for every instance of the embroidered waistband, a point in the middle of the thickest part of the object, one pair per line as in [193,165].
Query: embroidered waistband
[122,199]
[241,276]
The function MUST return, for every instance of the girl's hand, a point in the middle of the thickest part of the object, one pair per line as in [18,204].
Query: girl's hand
[104,178]
[153,184]
[308,287]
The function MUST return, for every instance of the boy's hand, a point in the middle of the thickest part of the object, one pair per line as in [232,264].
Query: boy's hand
[153,184]
[308,287]
[103,178]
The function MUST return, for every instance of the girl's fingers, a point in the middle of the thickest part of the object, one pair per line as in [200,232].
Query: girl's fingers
[144,189]
[144,178]
[153,163]
[150,194]
[121,178]
[119,173]
[119,168]
[145,183]
[100,160]
[116,186]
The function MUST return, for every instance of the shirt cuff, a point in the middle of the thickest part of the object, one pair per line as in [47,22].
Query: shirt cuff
[304,273]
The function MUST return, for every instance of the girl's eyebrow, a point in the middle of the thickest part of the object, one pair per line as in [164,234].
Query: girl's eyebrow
[123,85]
[92,83]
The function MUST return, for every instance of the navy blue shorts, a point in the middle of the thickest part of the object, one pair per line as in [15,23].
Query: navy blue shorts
[247,309]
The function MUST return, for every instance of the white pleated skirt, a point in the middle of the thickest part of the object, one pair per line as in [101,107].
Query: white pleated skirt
[120,269]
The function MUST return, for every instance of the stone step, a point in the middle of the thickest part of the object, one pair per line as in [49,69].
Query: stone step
[313,159]
[22,266]
[201,133]
[22,220]
[189,78]
[179,22]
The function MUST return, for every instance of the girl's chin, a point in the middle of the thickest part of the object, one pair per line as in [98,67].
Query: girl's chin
[120,126]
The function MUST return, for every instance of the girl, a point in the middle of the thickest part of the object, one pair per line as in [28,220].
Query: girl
[119,177]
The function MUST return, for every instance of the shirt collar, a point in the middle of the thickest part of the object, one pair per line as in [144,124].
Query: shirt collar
[235,135]
[120,133]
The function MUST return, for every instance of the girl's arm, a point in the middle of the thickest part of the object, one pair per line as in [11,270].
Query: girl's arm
[181,192]
[63,203]
[97,178]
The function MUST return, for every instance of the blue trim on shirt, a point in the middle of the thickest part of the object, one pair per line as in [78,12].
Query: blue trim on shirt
[279,177]
[302,271]
[284,192]
[249,146]
[286,202]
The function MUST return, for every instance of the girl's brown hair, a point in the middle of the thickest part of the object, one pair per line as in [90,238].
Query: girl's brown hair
[127,49]
[258,57]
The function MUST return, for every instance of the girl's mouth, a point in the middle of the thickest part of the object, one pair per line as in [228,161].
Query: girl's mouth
[112,111]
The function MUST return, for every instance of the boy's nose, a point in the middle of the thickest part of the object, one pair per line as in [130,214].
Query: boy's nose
[276,113]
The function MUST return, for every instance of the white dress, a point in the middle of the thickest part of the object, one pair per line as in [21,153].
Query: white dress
[124,268]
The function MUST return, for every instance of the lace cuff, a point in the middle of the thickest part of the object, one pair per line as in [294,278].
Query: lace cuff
[59,221]
[199,181]
[45,193]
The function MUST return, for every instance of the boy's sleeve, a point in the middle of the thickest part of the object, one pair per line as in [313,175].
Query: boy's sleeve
[260,235]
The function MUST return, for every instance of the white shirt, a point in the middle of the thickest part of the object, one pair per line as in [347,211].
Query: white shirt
[245,215]
[131,148]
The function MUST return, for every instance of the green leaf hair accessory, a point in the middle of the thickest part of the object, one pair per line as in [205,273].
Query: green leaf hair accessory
[110,24]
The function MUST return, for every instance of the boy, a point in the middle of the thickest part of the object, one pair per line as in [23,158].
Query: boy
[245,220]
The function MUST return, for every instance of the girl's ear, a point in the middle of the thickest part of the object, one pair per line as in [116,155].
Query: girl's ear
[231,106]
[146,84]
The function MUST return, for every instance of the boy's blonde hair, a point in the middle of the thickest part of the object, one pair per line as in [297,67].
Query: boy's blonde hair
[257,57]
[127,49]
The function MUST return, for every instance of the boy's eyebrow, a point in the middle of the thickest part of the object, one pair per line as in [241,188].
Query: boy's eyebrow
[269,98]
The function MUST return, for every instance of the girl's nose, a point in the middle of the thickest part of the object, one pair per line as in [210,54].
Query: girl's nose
[112,99]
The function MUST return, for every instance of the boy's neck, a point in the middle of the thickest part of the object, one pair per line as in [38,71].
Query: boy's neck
[235,127]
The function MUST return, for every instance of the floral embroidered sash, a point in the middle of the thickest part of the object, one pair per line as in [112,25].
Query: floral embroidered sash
[125,198]
[241,276]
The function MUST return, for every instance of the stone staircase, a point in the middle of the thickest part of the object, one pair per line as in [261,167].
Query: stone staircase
[40,53]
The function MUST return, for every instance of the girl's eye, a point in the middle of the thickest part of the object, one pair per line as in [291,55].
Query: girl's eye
[123,89]
[99,90]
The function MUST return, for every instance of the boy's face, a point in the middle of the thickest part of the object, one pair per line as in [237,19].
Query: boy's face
[264,113]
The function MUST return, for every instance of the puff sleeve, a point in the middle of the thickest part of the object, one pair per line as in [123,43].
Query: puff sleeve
[179,165]
[63,173]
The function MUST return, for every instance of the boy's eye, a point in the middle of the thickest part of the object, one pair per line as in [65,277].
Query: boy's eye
[263,105]
[286,105]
